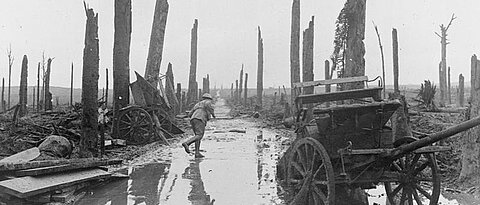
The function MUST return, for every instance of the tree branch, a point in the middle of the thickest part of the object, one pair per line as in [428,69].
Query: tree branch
[438,35]
[451,20]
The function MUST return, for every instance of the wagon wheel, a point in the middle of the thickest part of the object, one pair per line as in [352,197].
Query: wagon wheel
[418,173]
[310,161]
[135,125]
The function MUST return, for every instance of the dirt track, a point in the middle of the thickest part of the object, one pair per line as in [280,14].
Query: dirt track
[237,169]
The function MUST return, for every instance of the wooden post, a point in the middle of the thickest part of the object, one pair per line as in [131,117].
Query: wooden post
[121,56]
[461,90]
[395,61]
[295,49]
[157,36]
[48,94]
[193,64]
[260,69]
[245,90]
[240,86]
[10,64]
[71,86]
[22,102]
[88,142]
[449,87]
[38,88]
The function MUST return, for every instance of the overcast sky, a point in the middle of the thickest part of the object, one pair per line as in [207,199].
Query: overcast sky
[228,37]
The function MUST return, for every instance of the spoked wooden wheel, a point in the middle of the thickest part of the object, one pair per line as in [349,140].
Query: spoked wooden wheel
[419,181]
[310,173]
[135,125]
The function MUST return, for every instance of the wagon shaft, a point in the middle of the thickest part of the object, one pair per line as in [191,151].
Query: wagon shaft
[401,150]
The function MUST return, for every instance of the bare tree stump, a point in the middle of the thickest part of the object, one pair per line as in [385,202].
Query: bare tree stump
[240,88]
[295,49]
[461,90]
[245,90]
[395,61]
[308,62]
[170,92]
[48,94]
[191,95]
[22,102]
[260,69]
[88,142]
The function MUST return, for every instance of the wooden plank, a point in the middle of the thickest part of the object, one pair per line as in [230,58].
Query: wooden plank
[23,156]
[430,149]
[46,163]
[24,187]
[375,93]
[60,168]
[330,81]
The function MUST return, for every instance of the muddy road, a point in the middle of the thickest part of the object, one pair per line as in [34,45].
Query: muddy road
[238,168]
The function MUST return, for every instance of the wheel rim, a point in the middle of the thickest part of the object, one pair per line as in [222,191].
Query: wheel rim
[419,182]
[135,125]
[310,160]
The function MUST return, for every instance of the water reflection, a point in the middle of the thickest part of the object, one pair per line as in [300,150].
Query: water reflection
[197,194]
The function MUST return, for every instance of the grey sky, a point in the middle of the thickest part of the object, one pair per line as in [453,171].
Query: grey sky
[228,37]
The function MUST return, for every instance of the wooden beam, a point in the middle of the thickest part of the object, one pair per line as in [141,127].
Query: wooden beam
[45,163]
[331,81]
[60,168]
[24,187]
[375,93]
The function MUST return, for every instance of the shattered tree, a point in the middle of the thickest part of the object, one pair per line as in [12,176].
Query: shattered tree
[71,86]
[22,102]
[461,91]
[449,94]
[471,149]
[295,49]
[121,56]
[170,92]
[48,94]
[260,69]
[157,37]
[307,56]
[396,89]
[38,88]
[192,78]
[245,90]
[3,95]
[88,142]
[240,86]
[10,64]
[443,63]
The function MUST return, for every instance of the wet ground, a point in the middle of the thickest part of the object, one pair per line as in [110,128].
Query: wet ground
[238,168]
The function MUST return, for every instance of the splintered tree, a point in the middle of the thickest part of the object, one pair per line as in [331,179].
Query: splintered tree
[240,86]
[170,91]
[443,62]
[383,59]
[71,85]
[22,102]
[38,88]
[3,95]
[245,91]
[10,64]
[121,55]
[157,37]
[295,49]
[471,149]
[461,91]
[307,57]
[48,94]
[396,89]
[348,56]
[88,142]
[260,69]
[191,94]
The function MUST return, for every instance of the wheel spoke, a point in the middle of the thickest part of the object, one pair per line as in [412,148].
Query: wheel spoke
[298,168]
[313,160]
[307,164]
[302,159]
[422,191]
[404,197]
[396,190]
[395,164]
[409,192]
[416,197]
[318,170]
[320,182]
[320,194]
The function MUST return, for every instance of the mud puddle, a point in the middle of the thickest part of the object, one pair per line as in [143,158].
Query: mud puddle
[238,168]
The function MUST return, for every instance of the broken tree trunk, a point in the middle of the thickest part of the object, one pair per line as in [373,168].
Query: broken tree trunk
[184,101]
[157,37]
[208,83]
[240,86]
[33,97]
[22,111]
[449,94]
[461,91]
[355,48]
[121,57]
[38,88]
[236,92]
[395,61]
[48,94]
[295,49]
[260,69]
[204,85]
[471,148]
[191,95]
[71,86]
[88,142]
[383,60]
[327,77]
[245,91]
[443,62]
[179,98]
[10,64]
[3,95]
[106,88]
[232,96]
[170,92]
[308,62]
